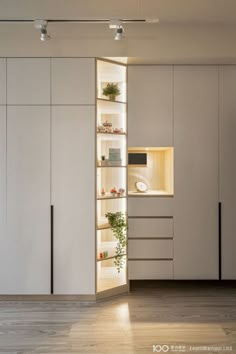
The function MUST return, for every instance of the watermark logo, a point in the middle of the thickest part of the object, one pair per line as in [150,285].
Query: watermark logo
[160,348]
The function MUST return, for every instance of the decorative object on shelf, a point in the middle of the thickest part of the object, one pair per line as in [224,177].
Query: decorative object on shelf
[108,129]
[111,90]
[103,157]
[113,163]
[103,254]
[107,124]
[118,226]
[114,154]
[121,191]
[114,157]
[113,192]
[101,129]
[118,130]
[103,192]
[141,187]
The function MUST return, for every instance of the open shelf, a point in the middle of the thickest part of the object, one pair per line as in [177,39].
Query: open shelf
[108,275]
[112,112]
[108,72]
[109,206]
[157,173]
[111,172]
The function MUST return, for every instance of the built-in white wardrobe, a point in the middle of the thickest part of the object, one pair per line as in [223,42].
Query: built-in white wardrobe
[47,176]
[195,113]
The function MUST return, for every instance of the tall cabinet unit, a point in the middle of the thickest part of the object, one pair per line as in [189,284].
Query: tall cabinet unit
[196,172]
[3,156]
[150,105]
[111,175]
[25,246]
[151,232]
[73,175]
[227,168]
[3,185]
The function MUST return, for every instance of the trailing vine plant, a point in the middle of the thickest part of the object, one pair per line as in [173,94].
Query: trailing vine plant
[118,226]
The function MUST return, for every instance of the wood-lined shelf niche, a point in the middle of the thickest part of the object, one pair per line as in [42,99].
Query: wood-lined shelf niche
[157,173]
[111,174]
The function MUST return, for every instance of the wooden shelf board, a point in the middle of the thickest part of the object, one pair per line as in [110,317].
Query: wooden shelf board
[123,166]
[106,100]
[100,133]
[104,259]
[110,197]
[103,227]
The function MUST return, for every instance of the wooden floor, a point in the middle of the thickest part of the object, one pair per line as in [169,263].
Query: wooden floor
[173,314]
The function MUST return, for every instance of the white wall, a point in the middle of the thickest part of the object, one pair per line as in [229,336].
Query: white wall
[143,44]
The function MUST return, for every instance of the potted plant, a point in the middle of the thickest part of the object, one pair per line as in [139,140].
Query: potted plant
[111,91]
[118,226]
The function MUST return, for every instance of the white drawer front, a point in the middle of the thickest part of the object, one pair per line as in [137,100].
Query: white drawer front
[146,249]
[150,270]
[150,206]
[145,228]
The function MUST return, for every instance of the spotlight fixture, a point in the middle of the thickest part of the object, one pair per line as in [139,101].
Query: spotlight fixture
[116,24]
[119,29]
[119,33]
[42,26]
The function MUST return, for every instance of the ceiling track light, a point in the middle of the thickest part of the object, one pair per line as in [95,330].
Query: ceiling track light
[42,26]
[116,24]
[119,33]
[119,29]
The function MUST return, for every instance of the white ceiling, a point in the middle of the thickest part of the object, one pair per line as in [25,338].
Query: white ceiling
[190,31]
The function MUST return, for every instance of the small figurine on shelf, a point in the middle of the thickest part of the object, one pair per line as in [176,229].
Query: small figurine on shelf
[103,157]
[103,193]
[113,192]
[101,255]
[117,130]
[101,129]
[121,191]
[107,124]
[105,254]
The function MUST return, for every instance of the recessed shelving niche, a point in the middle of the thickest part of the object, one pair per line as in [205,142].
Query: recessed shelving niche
[111,174]
[157,173]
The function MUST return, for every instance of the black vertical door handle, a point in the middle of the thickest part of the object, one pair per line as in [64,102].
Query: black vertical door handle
[52,246]
[220,240]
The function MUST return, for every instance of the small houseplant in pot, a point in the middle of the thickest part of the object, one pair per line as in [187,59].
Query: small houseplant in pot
[118,226]
[111,91]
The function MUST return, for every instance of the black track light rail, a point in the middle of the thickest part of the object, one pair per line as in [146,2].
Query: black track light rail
[75,20]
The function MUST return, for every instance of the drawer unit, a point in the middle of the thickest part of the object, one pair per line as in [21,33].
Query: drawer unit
[150,228]
[150,249]
[150,206]
[150,269]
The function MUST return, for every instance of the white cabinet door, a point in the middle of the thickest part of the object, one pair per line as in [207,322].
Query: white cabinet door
[227,135]
[27,250]
[28,81]
[196,172]
[73,197]
[3,183]
[3,81]
[73,81]
[150,108]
